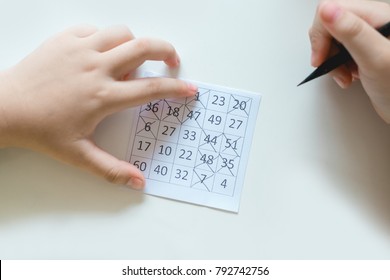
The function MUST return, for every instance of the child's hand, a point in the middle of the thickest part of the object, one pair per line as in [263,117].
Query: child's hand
[353,24]
[53,100]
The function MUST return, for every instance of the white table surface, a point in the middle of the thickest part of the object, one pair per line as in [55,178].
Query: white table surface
[318,179]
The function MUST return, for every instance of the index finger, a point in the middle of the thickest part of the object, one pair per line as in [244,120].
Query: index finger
[125,94]
[320,41]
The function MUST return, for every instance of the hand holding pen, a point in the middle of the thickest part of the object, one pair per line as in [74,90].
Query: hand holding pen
[353,23]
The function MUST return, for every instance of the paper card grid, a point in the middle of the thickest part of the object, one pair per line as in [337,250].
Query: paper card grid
[196,149]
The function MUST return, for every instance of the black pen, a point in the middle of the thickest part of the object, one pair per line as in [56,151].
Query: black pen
[339,59]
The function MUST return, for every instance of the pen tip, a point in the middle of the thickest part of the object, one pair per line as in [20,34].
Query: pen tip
[301,83]
[310,77]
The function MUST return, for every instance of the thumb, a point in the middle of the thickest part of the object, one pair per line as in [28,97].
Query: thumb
[364,43]
[109,167]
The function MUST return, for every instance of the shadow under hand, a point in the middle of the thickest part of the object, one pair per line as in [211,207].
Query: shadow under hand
[358,144]
[34,185]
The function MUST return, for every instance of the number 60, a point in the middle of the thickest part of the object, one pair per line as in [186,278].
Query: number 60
[141,165]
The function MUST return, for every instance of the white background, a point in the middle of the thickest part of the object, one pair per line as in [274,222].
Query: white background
[318,179]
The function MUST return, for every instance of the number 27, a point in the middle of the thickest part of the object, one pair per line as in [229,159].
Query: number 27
[235,123]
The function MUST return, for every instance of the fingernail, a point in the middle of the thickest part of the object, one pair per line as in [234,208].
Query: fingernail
[355,78]
[330,11]
[193,88]
[136,183]
[355,75]
[178,60]
[340,82]
[314,59]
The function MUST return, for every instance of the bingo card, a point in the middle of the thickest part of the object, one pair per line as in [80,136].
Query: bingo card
[196,149]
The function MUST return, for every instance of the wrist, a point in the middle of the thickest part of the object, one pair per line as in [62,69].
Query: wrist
[5,92]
